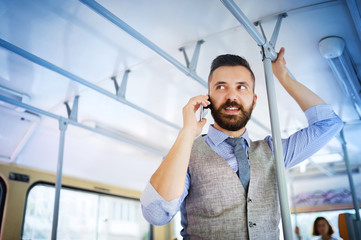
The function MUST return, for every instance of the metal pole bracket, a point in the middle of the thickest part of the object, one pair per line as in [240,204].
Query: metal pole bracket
[183,50]
[268,52]
[73,112]
[123,86]
[192,65]
[277,28]
[268,49]
[120,91]
[63,124]
[262,31]
[116,85]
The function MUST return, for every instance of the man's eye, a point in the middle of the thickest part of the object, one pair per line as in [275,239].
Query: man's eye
[242,87]
[220,87]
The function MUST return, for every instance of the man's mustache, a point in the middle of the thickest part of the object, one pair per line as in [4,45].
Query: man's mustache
[230,103]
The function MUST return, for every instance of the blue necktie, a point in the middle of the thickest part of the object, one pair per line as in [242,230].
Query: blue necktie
[243,164]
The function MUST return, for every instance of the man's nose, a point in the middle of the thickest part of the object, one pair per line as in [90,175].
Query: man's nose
[231,94]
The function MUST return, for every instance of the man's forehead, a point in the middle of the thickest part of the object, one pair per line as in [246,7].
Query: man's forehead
[227,74]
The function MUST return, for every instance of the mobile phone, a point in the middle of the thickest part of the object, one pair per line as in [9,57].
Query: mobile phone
[203,112]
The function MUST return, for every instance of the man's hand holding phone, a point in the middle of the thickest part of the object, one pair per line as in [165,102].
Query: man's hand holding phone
[190,120]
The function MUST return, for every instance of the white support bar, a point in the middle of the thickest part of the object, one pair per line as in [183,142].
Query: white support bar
[98,8]
[293,197]
[278,151]
[15,93]
[239,15]
[354,8]
[73,77]
[349,174]
[128,140]
[63,124]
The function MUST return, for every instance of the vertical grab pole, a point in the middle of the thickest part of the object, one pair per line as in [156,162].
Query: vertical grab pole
[349,174]
[269,55]
[278,151]
[63,124]
[293,199]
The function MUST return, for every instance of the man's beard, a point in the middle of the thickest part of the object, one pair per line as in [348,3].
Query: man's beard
[228,121]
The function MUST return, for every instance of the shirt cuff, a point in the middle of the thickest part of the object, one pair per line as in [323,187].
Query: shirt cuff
[319,113]
[150,195]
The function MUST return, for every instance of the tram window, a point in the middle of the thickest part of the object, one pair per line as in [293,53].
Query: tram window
[305,222]
[82,215]
[177,227]
[2,198]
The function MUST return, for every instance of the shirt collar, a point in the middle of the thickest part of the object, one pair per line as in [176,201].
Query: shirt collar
[217,136]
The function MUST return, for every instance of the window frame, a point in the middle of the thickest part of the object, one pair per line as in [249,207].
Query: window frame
[3,194]
[76,189]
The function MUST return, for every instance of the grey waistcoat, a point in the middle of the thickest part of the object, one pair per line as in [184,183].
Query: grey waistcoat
[217,205]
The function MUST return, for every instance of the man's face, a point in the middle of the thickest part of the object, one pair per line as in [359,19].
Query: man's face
[232,97]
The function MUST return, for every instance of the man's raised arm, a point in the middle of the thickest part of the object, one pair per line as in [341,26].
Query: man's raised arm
[303,96]
[323,123]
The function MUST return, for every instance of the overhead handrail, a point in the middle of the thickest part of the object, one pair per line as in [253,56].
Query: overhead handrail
[70,121]
[96,7]
[189,70]
[73,77]
[354,8]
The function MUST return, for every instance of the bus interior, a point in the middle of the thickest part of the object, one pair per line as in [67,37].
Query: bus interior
[91,98]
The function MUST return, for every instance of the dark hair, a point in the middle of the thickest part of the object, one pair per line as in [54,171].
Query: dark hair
[229,60]
[315,231]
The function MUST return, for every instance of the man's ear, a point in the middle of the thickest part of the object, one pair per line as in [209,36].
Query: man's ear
[209,99]
[254,101]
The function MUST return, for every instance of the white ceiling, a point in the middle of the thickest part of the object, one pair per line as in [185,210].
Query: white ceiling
[71,36]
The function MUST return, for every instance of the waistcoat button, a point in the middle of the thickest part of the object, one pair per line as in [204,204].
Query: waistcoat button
[249,200]
[251,224]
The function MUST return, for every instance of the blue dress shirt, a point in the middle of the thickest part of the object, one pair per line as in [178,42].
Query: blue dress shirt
[324,124]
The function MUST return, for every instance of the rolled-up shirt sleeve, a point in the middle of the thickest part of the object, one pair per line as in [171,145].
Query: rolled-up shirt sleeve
[158,211]
[323,125]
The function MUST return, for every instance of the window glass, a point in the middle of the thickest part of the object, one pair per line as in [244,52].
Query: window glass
[177,225]
[305,222]
[82,215]
[121,218]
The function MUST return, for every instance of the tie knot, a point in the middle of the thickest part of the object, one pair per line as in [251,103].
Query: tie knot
[235,141]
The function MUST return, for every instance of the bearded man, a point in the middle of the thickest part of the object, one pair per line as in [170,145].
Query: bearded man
[223,183]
